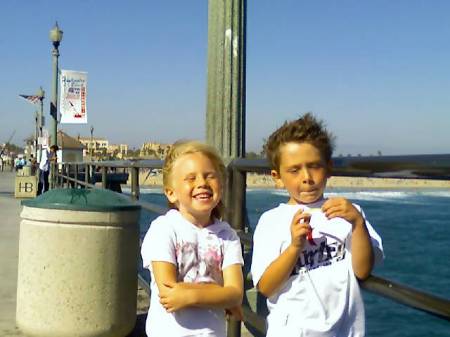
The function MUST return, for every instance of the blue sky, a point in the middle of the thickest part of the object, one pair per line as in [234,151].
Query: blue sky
[377,72]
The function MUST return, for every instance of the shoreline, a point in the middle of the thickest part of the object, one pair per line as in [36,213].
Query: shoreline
[255,180]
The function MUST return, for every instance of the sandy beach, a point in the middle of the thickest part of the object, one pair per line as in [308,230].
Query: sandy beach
[265,181]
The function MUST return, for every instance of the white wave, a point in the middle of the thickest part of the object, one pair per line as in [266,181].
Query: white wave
[282,193]
[153,190]
[144,190]
[442,194]
[361,195]
[373,195]
[392,196]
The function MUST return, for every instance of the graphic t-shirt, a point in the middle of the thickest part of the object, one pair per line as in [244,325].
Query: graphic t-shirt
[200,255]
[322,295]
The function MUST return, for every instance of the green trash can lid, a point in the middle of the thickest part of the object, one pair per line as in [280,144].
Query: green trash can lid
[90,200]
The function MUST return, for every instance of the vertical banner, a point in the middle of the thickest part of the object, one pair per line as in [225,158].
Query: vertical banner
[72,97]
[44,140]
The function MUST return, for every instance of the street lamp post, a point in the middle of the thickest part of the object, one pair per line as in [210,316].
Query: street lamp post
[92,142]
[55,36]
[36,134]
[41,94]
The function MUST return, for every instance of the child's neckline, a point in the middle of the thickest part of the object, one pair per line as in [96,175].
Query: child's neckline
[208,227]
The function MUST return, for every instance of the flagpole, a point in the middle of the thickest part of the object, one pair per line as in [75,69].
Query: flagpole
[36,133]
[41,95]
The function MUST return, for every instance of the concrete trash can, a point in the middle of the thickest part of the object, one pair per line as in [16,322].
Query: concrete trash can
[77,273]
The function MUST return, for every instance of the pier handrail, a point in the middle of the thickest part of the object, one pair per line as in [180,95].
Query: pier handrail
[238,168]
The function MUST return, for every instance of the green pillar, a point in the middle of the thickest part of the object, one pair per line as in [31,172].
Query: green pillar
[225,110]
[225,115]
[55,36]
[54,101]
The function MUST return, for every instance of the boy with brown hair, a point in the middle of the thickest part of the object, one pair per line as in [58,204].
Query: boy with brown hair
[309,253]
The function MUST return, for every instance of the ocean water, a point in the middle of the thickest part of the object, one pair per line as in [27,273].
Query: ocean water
[415,228]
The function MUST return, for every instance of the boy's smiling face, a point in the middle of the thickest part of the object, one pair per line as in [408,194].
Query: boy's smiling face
[303,171]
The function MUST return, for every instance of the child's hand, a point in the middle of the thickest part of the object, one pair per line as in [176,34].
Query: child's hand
[235,313]
[300,228]
[342,208]
[173,296]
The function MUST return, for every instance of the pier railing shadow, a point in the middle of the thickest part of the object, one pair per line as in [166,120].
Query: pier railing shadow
[82,175]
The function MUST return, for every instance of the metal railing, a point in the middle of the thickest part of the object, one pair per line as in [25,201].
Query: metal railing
[237,170]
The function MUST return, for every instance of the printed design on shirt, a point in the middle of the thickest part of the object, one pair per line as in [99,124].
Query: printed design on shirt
[324,253]
[200,261]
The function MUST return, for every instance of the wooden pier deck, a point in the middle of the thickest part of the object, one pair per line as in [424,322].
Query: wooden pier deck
[10,209]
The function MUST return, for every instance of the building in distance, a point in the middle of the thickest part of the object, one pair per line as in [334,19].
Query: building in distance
[154,150]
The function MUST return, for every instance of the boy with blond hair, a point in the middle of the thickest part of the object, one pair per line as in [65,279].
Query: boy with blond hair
[310,252]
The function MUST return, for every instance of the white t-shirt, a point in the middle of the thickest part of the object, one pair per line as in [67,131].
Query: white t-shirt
[322,295]
[44,163]
[200,255]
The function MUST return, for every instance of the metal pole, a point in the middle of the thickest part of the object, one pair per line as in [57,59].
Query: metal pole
[135,183]
[104,171]
[225,108]
[92,142]
[225,111]
[67,175]
[76,176]
[54,101]
[56,37]
[40,113]
[86,174]
[36,134]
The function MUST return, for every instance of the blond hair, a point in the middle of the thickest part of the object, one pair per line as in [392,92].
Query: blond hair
[185,147]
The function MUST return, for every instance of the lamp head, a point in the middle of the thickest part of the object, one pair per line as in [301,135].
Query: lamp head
[41,93]
[56,35]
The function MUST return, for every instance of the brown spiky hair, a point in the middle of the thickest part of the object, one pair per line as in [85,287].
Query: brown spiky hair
[185,147]
[306,129]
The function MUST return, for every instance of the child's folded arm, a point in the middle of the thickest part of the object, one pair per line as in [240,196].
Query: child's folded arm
[175,296]
[213,295]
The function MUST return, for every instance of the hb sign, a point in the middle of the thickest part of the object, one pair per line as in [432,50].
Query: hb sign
[26,187]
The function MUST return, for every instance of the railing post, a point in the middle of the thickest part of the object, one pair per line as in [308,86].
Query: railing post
[239,200]
[76,176]
[67,170]
[92,175]
[135,183]
[53,176]
[104,170]
[86,174]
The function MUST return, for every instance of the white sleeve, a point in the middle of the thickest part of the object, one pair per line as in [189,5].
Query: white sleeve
[232,250]
[375,238]
[266,247]
[159,243]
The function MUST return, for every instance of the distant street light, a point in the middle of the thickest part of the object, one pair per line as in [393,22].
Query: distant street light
[55,36]
[92,141]
[41,94]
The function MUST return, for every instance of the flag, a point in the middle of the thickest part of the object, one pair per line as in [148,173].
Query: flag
[34,99]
